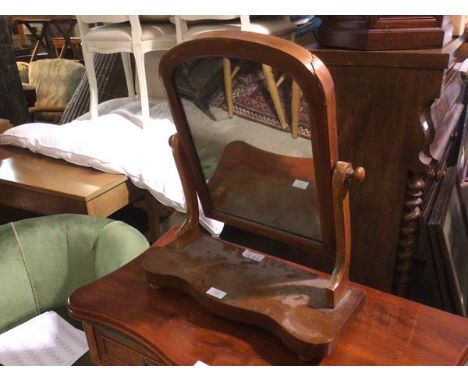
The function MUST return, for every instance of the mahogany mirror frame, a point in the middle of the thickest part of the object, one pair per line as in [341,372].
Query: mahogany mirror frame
[316,84]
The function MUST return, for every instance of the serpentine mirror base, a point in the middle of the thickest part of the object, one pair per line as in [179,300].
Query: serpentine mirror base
[234,282]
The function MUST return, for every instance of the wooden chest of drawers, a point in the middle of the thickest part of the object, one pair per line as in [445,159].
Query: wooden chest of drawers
[129,323]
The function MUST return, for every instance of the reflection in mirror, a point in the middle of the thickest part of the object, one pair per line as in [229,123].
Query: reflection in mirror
[252,135]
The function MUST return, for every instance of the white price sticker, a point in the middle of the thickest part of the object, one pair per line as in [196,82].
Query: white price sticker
[302,184]
[216,293]
[252,255]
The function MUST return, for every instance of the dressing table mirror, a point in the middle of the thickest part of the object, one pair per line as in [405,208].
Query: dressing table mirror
[243,165]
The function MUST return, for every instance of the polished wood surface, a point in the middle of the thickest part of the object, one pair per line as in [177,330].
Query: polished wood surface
[190,230]
[189,273]
[22,168]
[381,97]
[268,293]
[46,186]
[128,322]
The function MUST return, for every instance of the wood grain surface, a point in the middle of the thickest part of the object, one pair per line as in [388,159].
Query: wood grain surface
[269,293]
[171,326]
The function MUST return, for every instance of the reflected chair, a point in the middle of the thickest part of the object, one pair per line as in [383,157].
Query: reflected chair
[43,260]
[125,35]
[188,27]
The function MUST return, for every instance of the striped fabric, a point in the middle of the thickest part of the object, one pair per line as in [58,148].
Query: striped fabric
[111,84]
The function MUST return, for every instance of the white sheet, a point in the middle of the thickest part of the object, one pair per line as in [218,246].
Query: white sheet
[116,143]
[45,340]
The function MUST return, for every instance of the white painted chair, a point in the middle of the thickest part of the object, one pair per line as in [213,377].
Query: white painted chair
[188,27]
[125,35]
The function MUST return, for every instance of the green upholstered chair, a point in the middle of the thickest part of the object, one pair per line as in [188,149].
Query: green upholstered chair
[43,260]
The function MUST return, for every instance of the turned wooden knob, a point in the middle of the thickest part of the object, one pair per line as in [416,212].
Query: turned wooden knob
[171,140]
[360,174]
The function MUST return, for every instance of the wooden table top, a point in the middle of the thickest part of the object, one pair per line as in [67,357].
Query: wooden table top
[25,169]
[388,331]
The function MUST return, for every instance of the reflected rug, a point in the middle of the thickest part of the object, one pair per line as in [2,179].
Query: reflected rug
[252,100]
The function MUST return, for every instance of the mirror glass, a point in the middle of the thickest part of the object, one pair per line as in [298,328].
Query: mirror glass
[251,130]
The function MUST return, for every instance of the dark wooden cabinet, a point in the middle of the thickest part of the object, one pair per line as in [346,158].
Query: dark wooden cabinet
[397,113]
[386,32]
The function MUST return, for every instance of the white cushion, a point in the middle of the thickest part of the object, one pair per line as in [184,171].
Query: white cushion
[123,32]
[195,30]
[280,27]
[115,142]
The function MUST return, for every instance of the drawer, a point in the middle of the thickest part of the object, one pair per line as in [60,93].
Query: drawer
[444,117]
[116,350]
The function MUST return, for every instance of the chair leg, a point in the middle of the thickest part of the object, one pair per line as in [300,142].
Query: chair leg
[93,89]
[295,105]
[228,86]
[127,65]
[236,70]
[140,67]
[268,72]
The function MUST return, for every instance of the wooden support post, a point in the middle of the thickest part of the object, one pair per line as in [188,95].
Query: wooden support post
[271,84]
[228,86]
[296,94]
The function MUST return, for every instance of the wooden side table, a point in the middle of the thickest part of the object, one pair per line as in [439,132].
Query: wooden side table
[46,186]
[129,323]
